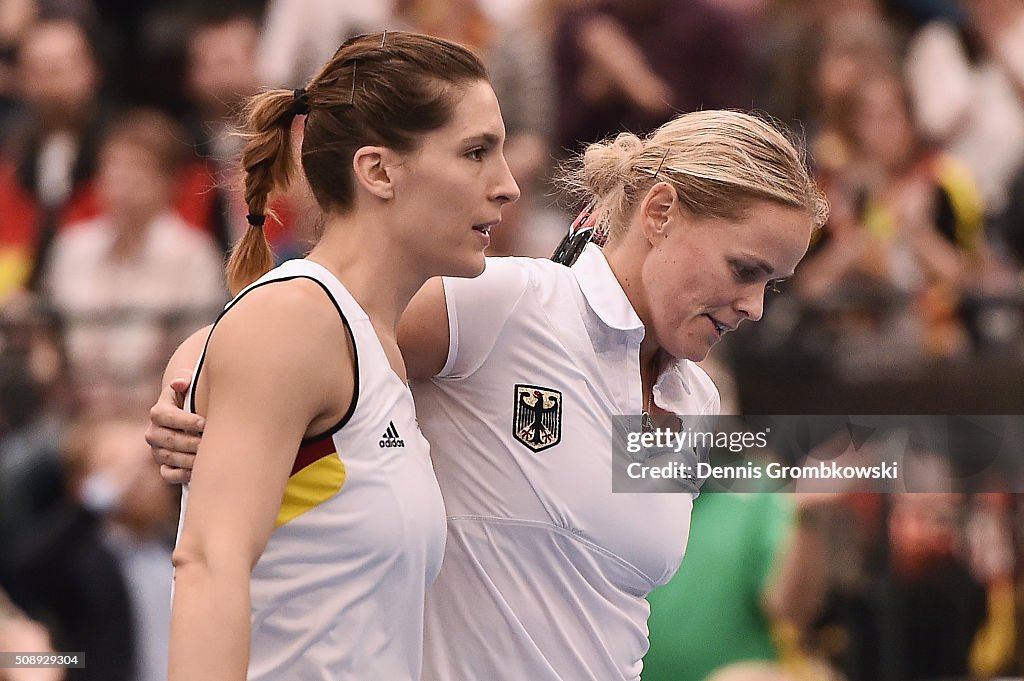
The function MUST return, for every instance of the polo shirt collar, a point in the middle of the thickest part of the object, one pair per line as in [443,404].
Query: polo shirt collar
[603,292]
[606,298]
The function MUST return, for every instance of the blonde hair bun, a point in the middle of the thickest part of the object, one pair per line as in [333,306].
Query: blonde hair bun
[607,164]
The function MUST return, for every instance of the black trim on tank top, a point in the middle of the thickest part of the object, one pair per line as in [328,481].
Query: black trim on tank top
[344,320]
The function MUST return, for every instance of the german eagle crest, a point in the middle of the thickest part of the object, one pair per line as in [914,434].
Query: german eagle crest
[537,417]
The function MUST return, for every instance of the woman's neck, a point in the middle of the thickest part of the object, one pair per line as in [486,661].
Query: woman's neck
[625,259]
[650,358]
[370,265]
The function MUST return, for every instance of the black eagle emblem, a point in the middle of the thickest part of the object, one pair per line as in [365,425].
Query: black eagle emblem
[537,417]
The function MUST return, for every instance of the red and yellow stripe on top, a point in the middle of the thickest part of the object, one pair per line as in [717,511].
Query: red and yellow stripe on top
[318,474]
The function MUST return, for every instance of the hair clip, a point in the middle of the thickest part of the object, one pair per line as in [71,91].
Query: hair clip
[660,164]
[352,95]
[383,38]
[255,220]
[579,235]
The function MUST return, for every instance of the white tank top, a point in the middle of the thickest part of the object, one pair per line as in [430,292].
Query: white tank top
[338,593]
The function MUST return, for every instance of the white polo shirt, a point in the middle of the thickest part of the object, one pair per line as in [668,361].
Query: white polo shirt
[545,570]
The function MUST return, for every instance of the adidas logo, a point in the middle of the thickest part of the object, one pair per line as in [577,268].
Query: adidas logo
[391,438]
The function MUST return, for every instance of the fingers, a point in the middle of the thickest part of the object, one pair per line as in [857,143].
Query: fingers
[168,412]
[180,387]
[175,476]
[173,433]
[174,459]
[181,441]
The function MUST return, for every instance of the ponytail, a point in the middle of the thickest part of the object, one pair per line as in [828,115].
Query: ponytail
[268,163]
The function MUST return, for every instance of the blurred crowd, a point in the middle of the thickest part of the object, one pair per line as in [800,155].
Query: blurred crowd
[120,196]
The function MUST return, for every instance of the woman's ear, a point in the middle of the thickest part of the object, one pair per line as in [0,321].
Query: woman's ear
[657,211]
[370,166]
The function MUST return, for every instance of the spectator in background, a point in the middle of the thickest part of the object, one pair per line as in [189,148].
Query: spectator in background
[61,572]
[300,35]
[989,545]
[940,601]
[974,108]
[33,410]
[850,46]
[110,461]
[15,18]
[911,607]
[631,64]
[46,171]
[220,76]
[908,227]
[735,542]
[30,471]
[798,37]
[133,281]
[967,84]
[757,557]
[144,45]
[97,567]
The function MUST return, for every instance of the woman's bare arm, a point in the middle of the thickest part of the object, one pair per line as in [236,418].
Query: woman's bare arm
[263,388]
[423,333]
